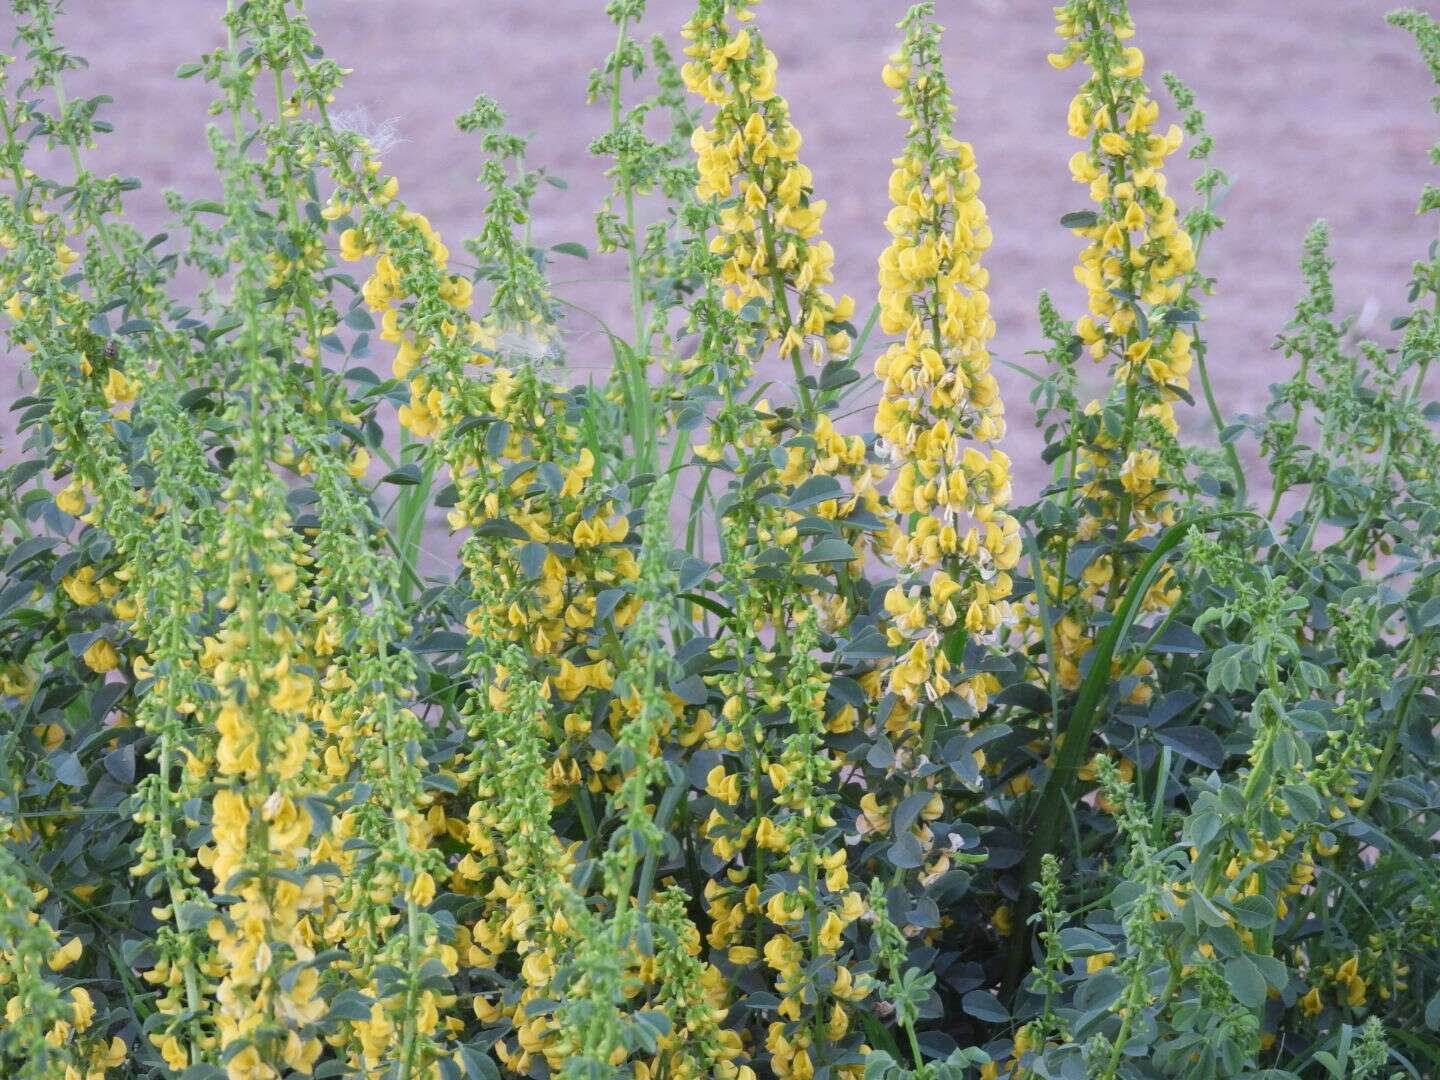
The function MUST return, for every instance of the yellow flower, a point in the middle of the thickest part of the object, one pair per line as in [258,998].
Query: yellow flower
[119,387]
[1098,962]
[352,247]
[101,657]
[422,889]
[82,1008]
[72,499]
[1002,920]
[174,1054]
[66,955]
[723,786]
[80,587]
[293,693]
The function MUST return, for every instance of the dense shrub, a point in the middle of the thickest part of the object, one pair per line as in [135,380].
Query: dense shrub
[739,744]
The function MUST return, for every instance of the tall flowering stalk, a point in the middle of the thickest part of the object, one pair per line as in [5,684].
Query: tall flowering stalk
[522,864]
[1135,269]
[268,1003]
[153,591]
[642,166]
[380,909]
[787,899]
[168,593]
[810,897]
[939,397]
[643,938]
[771,236]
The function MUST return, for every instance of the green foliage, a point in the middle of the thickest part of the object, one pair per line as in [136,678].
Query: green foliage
[731,744]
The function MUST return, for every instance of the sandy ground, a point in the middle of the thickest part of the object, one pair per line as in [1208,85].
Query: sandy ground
[1318,108]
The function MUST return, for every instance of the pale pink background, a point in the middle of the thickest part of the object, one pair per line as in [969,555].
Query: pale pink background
[1318,108]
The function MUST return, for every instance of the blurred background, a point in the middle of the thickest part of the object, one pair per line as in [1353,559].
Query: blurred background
[1318,110]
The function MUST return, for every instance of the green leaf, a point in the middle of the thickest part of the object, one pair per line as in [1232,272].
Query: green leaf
[837,373]
[908,812]
[26,550]
[350,1005]
[1254,912]
[478,1065]
[120,763]
[407,475]
[359,319]
[1245,981]
[68,769]
[1302,801]
[1430,613]
[905,853]
[691,573]
[1191,741]
[192,916]
[609,600]
[441,782]
[1177,638]
[501,529]
[709,604]
[985,1006]
[816,490]
[532,558]
[442,641]
[1205,911]
[868,645]
[831,550]
[651,1026]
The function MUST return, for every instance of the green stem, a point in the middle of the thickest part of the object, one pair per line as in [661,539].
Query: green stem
[639,404]
[1232,456]
[1417,660]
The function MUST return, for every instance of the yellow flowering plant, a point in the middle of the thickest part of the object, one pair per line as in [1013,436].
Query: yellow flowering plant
[741,740]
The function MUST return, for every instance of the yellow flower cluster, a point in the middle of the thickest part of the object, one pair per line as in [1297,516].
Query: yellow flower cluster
[521,868]
[384,291]
[1134,268]
[938,395]
[262,835]
[770,235]
[530,492]
[542,526]
[364,910]
[35,1010]
[769,240]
